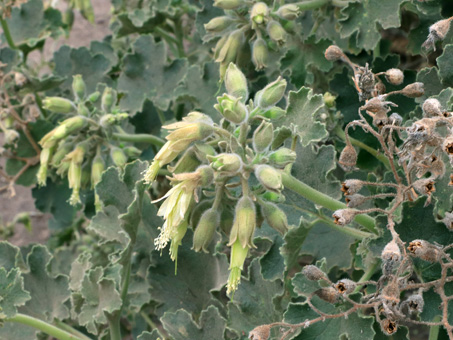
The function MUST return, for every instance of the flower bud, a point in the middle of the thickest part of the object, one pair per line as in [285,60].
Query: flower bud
[276,32]
[108,99]
[313,273]
[394,76]
[333,53]
[44,159]
[228,4]
[328,294]
[388,327]
[94,96]
[206,175]
[432,108]
[272,196]
[424,250]
[288,12]
[118,157]
[226,162]
[63,149]
[237,259]
[132,152]
[244,223]
[97,168]
[260,333]
[259,13]
[271,94]
[66,127]
[263,136]
[356,200]
[275,217]
[187,162]
[282,157]
[58,104]
[414,90]
[236,83]
[329,99]
[437,31]
[345,286]
[78,86]
[348,157]
[259,54]
[233,109]
[229,50]
[110,119]
[344,216]
[75,159]
[274,113]
[205,229]
[269,177]
[83,110]
[218,24]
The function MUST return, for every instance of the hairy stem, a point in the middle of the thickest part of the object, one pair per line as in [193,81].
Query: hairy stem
[311,4]
[7,33]
[328,202]
[139,138]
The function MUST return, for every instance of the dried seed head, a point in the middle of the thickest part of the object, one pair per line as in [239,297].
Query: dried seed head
[414,90]
[345,286]
[376,105]
[424,250]
[366,82]
[448,145]
[391,252]
[354,201]
[351,186]
[344,216]
[448,220]
[328,294]
[395,119]
[260,333]
[380,119]
[416,303]
[333,53]
[432,108]
[437,31]
[389,327]
[424,186]
[394,76]
[348,157]
[313,273]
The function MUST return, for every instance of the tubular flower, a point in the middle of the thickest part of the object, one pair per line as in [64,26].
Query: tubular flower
[196,126]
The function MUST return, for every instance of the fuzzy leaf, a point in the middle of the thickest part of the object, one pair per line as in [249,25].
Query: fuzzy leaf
[78,269]
[181,326]
[146,75]
[154,335]
[445,66]
[13,330]
[12,293]
[10,257]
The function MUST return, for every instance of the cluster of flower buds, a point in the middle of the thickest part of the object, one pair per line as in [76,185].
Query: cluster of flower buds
[255,22]
[228,175]
[81,146]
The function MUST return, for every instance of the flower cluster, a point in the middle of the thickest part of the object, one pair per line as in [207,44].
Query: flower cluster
[226,160]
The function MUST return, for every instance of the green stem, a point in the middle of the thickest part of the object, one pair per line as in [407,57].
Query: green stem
[139,138]
[357,234]
[312,4]
[114,326]
[328,202]
[340,3]
[7,33]
[71,330]
[367,275]
[381,157]
[434,330]
[44,327]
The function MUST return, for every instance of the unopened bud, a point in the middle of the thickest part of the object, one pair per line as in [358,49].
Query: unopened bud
[244,223]
[66,127]
[78,86]
[345,286]
[206,175]
[237,259]
[259,13]
[275,217]
[110,119]
[288,12]
[313,273]
[333,53]
[75,159]
[58,104]
[394,76]
[344,216]
[44,159]
[205,229]
[414,90]
[118,157]
[97,168]
[276,32]
[282,157]
[348,157]
[94,96]
[272,196]
[83,110]
[108,99]
[260,333]
[329,99]
[271,94]
[236,83]
[424,250]
[232,108]
[437,31]
[263,136]
[328,294]
[230,49]
[62,150]
[226,162]
[389,327]
[259,54]
[274,113]
[351,186]
[432,108]
[356,200]
[228,4]
[218,24]
[269,177]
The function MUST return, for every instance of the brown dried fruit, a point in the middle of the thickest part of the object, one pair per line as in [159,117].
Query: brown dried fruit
[328,294]
[333,53]
[345,286]
[389,327]
[424,250]
[313,273]
[348,157]
[351,186]
[260,333]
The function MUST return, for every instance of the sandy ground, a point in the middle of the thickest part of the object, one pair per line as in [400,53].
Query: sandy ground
[81,35]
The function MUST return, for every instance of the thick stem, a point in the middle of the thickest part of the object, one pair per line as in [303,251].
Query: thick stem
[328,202]
[139,138]
[434,330]
[357,234]
[311,4]
[71,330]
[7,33]
[114,326]
[44,327]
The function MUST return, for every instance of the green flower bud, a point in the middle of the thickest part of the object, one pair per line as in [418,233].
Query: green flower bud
[68,17]
[75,159]
[205,229]
[218,24]
[94,96]
[108,99]
[259,13]
[274,113]
[83,110]
[44,159]
[282,157]
[233,109]
[271,94]
[269,177]
[228,4]
[259,54]
[97,168]
[63,149]
[112,119]
[244,223]
[229,50]
[203,150]
[132,152]
[276,32]
[219,45]
[58,104]
[67,127]
[236,83]
[275,217]
[237,259]
[118,157]
[226,162]
[78,86]
[288,12]
[176,241]
[63,169]
[272,196]
[198,211]
[206,175]
[329,99]
[262,137]
[188,162]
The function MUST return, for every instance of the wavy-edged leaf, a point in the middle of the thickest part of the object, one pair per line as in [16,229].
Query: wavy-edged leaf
[12,293]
